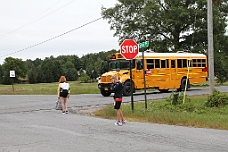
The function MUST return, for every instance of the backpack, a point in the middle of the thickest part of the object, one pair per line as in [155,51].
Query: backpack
[64,89]
[58,105]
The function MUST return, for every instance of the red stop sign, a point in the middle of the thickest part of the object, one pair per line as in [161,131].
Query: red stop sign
[129,49]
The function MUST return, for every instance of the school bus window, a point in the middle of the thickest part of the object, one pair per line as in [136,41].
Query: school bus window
[179,63]
[150,63]
[199,62]
[124,65]
[120,65]
[167,63]
[163,63]
[184,63]
[194,63]
[203,62]
[173,65]
[157,63]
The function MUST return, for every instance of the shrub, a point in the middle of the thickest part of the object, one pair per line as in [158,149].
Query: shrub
[217,99]
[84,78]
[176,98]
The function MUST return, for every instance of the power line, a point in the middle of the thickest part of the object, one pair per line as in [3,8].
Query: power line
[35,20]
[46,10]
[53,37]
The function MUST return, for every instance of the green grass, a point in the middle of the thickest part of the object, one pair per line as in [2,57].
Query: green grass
[48,88]
[193,113]
[207,84]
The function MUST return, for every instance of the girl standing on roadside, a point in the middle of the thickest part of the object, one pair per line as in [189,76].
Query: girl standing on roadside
[63,93]
[117,86]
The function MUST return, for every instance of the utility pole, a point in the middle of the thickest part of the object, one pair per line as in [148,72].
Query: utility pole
[210,45]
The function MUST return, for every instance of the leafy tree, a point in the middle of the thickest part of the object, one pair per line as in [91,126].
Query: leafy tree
[32,74]
[15,64]
[50,70]
[47,68]
[40,74]
[76,61]
[37,62]
[96,64]
[169,25]
[57,70]
[221,70]
[84,78]
[69,71]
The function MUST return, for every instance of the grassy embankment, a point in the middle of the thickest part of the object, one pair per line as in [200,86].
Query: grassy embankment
[193,113]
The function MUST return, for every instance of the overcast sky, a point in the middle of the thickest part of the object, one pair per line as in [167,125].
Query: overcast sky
[24,23]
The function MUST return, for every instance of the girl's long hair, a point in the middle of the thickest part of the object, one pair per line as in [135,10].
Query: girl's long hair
[62,79]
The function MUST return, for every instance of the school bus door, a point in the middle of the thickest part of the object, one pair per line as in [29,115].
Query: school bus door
[139,77]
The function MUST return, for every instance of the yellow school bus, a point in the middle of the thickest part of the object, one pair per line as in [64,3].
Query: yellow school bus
[163,71]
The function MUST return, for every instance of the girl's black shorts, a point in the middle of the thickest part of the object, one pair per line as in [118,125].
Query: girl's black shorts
[117,105]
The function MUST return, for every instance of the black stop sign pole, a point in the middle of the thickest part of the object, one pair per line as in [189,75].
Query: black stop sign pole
[131,87]
[144,77]
[142,46]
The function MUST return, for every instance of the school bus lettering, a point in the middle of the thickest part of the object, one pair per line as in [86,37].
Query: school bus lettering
[129,49]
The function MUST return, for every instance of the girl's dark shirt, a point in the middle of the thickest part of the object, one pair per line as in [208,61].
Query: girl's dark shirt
[118,87]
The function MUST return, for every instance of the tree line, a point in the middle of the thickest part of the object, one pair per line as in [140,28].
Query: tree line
[48,70]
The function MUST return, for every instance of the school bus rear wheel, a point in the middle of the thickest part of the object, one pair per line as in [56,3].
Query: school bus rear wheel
[183,84]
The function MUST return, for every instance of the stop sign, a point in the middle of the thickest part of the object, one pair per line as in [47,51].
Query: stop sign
[129,49]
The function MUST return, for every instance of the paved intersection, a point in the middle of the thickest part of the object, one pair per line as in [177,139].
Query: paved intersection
[30,124]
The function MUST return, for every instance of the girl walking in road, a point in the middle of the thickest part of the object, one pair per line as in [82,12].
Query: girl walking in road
[63,93]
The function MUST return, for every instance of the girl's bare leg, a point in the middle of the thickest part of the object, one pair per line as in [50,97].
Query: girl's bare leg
[65,101]
[62,103]
[118,115]
[121,115]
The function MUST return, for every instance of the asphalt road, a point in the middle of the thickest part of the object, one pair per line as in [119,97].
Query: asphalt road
[31,124]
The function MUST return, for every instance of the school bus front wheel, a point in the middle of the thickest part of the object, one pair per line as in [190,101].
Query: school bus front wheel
[127,88]
[105,93]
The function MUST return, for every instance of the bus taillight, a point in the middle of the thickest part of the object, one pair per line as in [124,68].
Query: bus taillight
[205,69]
[113,57]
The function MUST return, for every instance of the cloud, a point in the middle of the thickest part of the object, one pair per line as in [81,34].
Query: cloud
[92,38]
